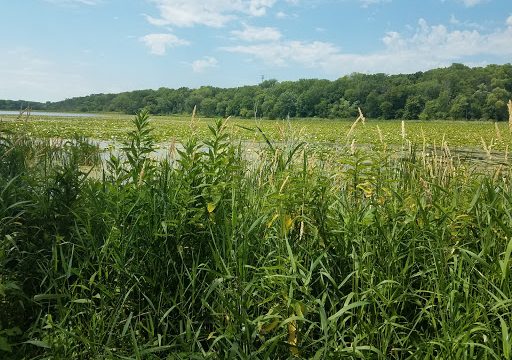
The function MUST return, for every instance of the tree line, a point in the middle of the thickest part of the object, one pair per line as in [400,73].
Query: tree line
[456,92]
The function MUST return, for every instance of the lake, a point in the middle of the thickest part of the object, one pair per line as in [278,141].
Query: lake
[43,113]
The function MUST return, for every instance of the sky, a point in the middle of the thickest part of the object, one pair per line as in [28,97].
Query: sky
[58,49]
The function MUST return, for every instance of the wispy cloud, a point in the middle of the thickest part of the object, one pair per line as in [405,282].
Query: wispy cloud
[212,13]
[454,20]
[367,3]
[429,46]
[159,43]
[283,53]
[253,33]
[468,24]
[471,3]
[203,64]
[74,2]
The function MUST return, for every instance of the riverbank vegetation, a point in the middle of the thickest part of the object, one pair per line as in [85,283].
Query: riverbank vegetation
[457,92]
[287,252]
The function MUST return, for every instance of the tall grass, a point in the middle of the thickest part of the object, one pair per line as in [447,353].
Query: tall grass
[290,254]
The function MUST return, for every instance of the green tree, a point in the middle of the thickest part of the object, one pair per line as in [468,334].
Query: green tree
[460,108]
[286,105]
[413,107]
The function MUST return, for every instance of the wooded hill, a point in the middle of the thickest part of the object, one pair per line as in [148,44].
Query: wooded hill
[456,92]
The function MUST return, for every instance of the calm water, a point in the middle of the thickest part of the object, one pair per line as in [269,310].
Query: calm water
[42,113]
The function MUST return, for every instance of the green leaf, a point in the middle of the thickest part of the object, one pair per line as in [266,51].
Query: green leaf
[4,345]
[346,308]
[507,343]
[38,343]
[127,324]
[82,301]
[504,264]
[41,297]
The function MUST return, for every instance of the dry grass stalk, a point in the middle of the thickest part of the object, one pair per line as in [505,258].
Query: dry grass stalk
[193,123]
[172,149]
[487,149]
[25,111]
[498,132]
[141,174]
[446,149]
[352,128]
[359,118]
[225,123]
[353,147]
[381,137]
[497,173]
[283,184]
[424,147]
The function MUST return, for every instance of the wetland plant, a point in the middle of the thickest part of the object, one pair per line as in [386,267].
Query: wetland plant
[296,254]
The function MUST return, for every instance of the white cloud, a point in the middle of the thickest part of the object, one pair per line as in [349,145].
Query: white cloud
[427,47]
[213,13]
[454,20]
[467,24]
[252,33]
[74,2]
[259,7]
[441,43]
[159,43]
[309,54]
[471,3]
[366,3]
[204,63]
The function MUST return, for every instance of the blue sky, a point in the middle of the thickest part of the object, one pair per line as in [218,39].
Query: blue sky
[56,49]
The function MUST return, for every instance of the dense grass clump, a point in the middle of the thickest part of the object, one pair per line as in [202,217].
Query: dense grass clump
[287,253]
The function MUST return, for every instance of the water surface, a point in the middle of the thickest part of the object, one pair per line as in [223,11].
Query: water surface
[44,113]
